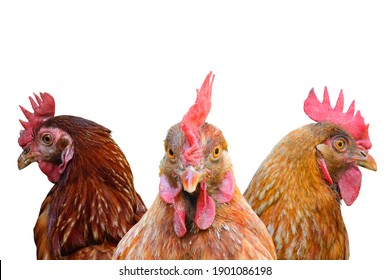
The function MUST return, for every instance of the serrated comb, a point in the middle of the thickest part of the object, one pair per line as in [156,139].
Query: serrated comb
[323,112]
[44,108]
[196,117]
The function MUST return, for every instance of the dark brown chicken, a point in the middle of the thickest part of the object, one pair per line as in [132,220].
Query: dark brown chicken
[93,202]
[298,188]
[199,212]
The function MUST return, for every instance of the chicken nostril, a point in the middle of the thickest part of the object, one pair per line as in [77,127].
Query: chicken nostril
[363,153]
[25,151]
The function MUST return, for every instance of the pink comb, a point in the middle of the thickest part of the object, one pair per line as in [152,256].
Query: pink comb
[43,109]
[323,112]
[196,117]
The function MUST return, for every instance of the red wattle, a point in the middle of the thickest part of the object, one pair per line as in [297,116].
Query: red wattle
[349,184]
[172,196]
[50,170]
[179,218]
[205,209]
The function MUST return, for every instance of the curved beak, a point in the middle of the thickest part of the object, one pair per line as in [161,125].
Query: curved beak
[367,161]
[190,178]
[25,159]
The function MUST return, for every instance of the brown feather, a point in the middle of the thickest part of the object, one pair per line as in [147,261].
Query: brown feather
[290,195]
[235,233]
[94,203]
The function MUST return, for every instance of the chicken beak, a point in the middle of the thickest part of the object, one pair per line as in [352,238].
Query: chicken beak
[190,178]
[366,161]
[25,159]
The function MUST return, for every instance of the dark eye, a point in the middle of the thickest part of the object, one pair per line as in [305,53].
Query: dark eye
[339,144]
[170,153]
[47,138]
[217,152]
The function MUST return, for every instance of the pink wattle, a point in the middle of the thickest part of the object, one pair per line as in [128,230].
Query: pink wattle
[205,209]
[349,184]
[179,218]
[171,195]
[50,170]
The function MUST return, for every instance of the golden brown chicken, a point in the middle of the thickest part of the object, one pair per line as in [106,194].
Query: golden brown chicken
[199,212]
[298,188]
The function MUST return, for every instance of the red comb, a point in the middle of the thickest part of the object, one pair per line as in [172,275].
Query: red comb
[43,108]
[353,123]
[196,117]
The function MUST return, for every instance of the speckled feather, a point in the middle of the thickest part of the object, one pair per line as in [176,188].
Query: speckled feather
[290,195]
[236,232]
[94,203]
[199,212]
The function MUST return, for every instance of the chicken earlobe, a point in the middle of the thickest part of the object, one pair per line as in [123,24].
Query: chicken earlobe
[325,171]
[226,190]
[167,192]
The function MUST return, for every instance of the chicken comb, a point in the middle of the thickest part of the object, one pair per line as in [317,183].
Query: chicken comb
[43,108]
[323,112]
[196,117]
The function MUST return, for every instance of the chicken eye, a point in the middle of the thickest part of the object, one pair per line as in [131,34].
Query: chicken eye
[47,139]
[170,153]
[217,152]
[339,144]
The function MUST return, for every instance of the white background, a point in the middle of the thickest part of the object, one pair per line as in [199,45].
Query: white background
[134,68]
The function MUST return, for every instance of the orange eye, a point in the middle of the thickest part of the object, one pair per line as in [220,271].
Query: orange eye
[170,153]
[217,151]
[47,138]
[339,144]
